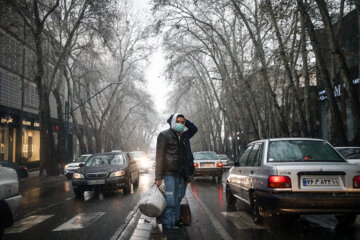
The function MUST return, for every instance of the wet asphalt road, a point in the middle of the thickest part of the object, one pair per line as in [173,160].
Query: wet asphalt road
[49,210]
[239,225]
[53,212]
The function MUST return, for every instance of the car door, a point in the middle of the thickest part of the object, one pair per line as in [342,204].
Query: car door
[132,167]
[236,175]
[251,170]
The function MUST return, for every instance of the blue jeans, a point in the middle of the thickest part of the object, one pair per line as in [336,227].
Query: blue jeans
[182,191]
[172,194]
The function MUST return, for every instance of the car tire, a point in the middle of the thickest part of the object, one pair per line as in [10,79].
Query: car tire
[230,199]
[79,193]
[346,219]
[255,211]
[127,187]
[136,183]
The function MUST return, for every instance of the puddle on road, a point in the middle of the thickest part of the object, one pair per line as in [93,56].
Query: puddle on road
[80,221]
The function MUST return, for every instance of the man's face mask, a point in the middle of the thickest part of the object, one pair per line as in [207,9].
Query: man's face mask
[179,127]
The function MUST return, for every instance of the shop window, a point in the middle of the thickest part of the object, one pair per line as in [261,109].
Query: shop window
[31,145]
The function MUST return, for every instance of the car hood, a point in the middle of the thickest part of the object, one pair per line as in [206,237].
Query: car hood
[75,164]
[97,169]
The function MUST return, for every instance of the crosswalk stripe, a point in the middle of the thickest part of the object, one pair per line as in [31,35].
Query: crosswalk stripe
[27,223]
[241,220]
[80,221]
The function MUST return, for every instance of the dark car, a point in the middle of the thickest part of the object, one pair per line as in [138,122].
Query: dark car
[21,171]
[106,171]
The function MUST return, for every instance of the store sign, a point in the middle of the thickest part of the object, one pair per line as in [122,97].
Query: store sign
[337,90]
[7,120]
[26,123]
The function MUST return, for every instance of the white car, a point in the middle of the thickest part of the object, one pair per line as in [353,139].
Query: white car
[351,154]
[10,199]
[295,176]
[207,164]
[70,168]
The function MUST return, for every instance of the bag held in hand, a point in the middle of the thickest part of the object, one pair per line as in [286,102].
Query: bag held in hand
[152,202]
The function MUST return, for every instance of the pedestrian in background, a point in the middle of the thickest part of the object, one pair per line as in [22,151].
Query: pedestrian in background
[174,166]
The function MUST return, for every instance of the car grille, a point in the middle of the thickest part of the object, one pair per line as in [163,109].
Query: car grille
[97,175]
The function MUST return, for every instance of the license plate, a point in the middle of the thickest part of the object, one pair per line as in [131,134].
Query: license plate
[96,182]
[320,181]
[207,165]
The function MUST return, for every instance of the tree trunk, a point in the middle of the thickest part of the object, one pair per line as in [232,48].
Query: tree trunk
[337,131]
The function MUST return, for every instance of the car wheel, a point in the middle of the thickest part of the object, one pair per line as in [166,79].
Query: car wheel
[79,193]
[127,187]
[255,211]
[136,183]
[230,199]
[346,219]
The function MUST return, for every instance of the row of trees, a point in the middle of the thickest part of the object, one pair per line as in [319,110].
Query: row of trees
[242,69]
[78,48]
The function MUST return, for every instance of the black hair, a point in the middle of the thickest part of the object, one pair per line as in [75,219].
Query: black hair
[180,115]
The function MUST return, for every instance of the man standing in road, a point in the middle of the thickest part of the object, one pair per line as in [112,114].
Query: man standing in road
[174,165]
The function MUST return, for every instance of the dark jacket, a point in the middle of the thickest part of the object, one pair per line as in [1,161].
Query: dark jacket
[173,154]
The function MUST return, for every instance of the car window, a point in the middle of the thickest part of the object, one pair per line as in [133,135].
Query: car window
[81,159]
[253,155]
[258,160]
[223,157]
[350,153]
[118,160]
[205,156]
[244,156]
[302,150]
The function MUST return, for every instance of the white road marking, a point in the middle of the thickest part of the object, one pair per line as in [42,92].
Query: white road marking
[241,220]
[80,221]
[27,223]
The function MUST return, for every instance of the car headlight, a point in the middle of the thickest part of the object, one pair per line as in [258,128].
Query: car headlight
[117,173]
[144,162]
[78,175]
[66,166]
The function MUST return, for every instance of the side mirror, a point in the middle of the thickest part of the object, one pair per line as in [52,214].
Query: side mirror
[81,164]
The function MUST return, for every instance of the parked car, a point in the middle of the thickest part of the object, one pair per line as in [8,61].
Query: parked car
[225,160]
[70,168]
[106,171]
[21,171]
[10,199]
[351,154]
[142,160]
[295,176]
[207,164]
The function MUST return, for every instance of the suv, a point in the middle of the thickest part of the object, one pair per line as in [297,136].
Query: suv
[295,176]
[10,198]
[207,164]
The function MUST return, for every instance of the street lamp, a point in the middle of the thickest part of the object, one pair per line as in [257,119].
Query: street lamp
[68,111]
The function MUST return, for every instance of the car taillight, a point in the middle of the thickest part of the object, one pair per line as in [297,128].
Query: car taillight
[25,168]
[219,165]
[279,182]
[356,182]
[196,165]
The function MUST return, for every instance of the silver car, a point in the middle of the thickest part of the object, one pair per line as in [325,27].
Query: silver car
[70,168]
[295,175]
[351,154]
[207,164]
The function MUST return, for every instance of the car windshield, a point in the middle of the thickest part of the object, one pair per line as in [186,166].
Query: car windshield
[81,159]
[302,150]
[223,157]
[138,154]
[205,156]
[110,159]
[350,153]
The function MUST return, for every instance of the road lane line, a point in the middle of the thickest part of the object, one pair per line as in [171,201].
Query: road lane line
[47,207]
[216,223]
[80,221]
[27,223]
[129,222]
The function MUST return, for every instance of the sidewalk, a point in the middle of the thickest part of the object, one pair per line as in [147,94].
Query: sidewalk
[201,227]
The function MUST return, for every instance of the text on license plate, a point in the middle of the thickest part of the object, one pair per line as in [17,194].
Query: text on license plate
[317,181]
[207,165]
[96,182]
